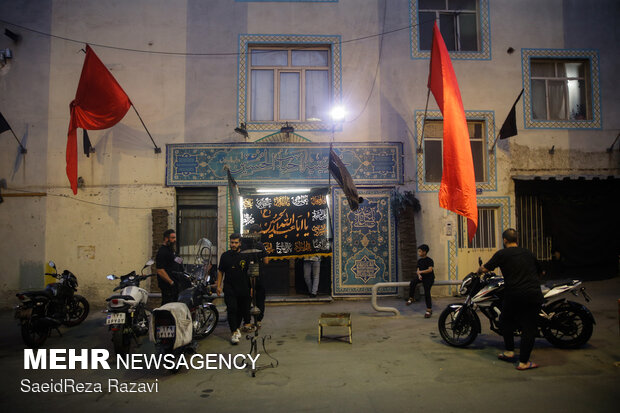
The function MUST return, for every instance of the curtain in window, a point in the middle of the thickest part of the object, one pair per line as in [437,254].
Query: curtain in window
[317,95]
[262,95]
[289,96]
[539,100]
[557,99]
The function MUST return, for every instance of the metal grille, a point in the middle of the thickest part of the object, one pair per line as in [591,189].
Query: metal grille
[530,225]
[196,219]
[486,234]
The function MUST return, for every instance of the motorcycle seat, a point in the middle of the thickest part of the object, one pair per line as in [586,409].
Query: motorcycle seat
[35,293]
[120,297]
[554,283]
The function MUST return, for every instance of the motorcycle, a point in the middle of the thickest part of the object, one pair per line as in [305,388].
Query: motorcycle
[175,326]
[127,316]
[41,311]
[197,297]
[565,324]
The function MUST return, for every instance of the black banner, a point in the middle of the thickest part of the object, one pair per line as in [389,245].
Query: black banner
[292,225]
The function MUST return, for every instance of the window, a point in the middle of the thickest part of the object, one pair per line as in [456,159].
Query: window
[457,21]
[486,233]
[433,149]
[289,84]
[464,26]
[559,89]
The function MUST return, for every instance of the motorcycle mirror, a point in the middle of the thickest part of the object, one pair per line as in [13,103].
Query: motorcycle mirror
[52,264]
[479,262]
[149,262]
[110,277]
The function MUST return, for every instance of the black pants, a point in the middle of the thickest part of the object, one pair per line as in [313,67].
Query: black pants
[169,293]
[237,309]
[427,283]
[520,311]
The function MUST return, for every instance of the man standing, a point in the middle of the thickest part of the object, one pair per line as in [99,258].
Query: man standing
[167,263]
[522,297]
[236,286]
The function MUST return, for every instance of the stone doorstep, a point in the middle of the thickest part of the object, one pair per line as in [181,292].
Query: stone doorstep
[277,299]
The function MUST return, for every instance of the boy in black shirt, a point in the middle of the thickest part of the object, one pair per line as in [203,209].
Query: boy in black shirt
[426,275]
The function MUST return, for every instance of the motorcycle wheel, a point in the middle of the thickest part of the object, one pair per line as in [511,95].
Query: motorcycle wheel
[460,335]
[121,342]
[570,327]
[206,321]
[77,311]
[34,336]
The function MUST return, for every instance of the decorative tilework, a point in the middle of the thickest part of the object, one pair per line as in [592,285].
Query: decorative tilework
[190,164]
[247,40]
[491,167]
[485,35]
[594,87]
[364,244]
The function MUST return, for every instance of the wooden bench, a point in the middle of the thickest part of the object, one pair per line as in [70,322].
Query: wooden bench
[336,320]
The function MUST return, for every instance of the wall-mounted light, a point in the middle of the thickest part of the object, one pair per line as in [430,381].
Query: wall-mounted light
[241,130]
[287,129]
[338,113]
[5,55]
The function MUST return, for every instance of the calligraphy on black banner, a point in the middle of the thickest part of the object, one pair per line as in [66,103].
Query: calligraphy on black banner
[292,225]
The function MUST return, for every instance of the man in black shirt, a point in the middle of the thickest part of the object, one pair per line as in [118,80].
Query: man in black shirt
[167,264]
[233,280]
[522,297]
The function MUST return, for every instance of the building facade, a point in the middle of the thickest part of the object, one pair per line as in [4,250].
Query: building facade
[224,77]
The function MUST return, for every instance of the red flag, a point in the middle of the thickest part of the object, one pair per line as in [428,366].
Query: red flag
[458,182]
[99,103]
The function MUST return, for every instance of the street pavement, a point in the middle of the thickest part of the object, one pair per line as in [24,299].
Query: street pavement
[395,364]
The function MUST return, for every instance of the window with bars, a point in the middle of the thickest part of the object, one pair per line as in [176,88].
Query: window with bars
[289,83]
[560,89]
[486,234]
[457,21]
[433,149]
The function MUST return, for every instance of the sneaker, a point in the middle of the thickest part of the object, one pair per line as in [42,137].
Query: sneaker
[235,337]
[410,301]
[428,314]
[259,324]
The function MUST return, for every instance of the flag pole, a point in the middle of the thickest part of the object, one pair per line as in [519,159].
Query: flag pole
[494,143]
[428,94]
[22,149]
[157,149]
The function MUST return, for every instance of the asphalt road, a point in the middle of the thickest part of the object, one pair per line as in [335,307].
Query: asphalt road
[395,364]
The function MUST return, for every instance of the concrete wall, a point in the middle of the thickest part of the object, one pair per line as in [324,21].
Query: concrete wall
[192,97]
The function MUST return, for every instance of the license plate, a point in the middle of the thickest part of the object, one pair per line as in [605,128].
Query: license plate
[166,331]
[115,318]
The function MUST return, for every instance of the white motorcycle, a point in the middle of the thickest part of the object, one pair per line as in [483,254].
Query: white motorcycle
[127,316]
[564,323]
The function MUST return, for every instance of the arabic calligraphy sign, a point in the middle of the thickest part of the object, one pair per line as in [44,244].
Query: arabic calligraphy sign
[195,164]
[292,225]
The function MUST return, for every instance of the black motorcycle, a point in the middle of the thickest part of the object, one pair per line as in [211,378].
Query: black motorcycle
[197,296]
[565,324]
[127,316]
[41,311]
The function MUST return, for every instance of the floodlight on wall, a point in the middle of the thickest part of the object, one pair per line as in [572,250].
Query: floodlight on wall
[241,130]
[287,129]
[5,55]
[338,113]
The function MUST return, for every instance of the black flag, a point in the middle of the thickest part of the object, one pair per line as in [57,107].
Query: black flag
[509,128]
[343,177]
[87,145]
[4,125]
